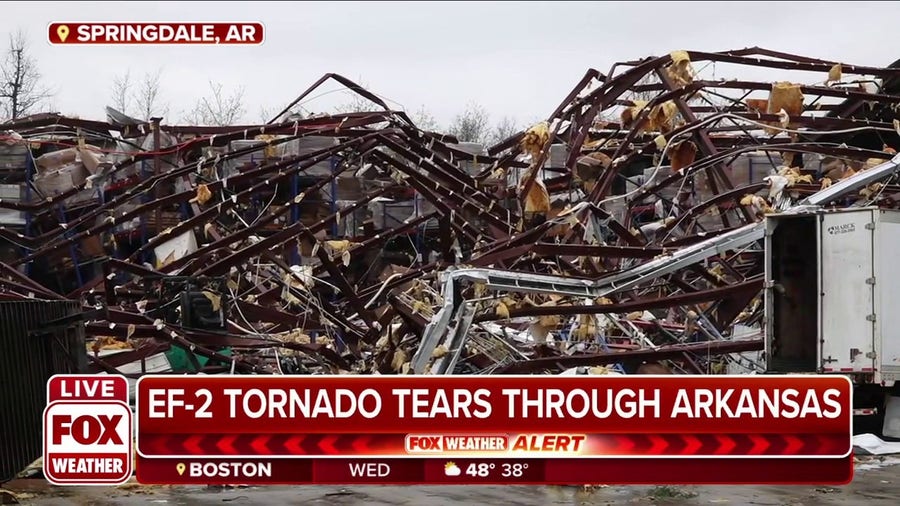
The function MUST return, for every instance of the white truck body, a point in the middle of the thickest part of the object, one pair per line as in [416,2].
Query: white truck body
[832,296]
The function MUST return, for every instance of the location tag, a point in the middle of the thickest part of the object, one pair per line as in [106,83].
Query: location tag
[63,32]
[180,468]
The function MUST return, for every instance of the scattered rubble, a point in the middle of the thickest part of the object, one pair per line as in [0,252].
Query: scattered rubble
[620,236]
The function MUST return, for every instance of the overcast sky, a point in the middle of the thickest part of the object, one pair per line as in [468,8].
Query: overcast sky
[516,59]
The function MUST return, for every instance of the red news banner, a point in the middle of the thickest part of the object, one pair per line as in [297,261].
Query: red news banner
[496,429]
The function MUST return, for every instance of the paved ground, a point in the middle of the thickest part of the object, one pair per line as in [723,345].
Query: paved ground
[876,483]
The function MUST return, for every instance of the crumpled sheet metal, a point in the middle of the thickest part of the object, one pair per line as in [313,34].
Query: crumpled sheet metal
[344,269]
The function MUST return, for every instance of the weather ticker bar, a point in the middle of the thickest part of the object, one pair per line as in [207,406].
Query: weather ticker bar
[467,471]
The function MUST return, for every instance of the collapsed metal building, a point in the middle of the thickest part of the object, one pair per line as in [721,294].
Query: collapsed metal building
[620,236]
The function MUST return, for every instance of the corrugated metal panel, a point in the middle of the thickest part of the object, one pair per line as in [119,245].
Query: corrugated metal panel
[13,156]
[245,158]
[12,193]
[474,148]
[557,158]
[887,292]
[307,145]
[27,361]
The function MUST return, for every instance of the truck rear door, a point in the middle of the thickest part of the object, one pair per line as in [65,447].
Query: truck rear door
[887,297]
[847,309]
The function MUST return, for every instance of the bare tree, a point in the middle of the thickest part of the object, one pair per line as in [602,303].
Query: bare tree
[142,99]
[218,109]
[266,113]
[20,88]
[424,120]
[121,92]
[472,125]
[504,129]
[148,100]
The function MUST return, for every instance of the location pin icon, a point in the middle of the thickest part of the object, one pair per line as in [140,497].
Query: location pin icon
[180,468]
[63,32]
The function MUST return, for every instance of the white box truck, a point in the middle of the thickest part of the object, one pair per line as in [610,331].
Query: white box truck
[832,301]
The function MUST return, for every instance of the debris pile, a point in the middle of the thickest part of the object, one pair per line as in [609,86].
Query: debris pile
[619,236]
